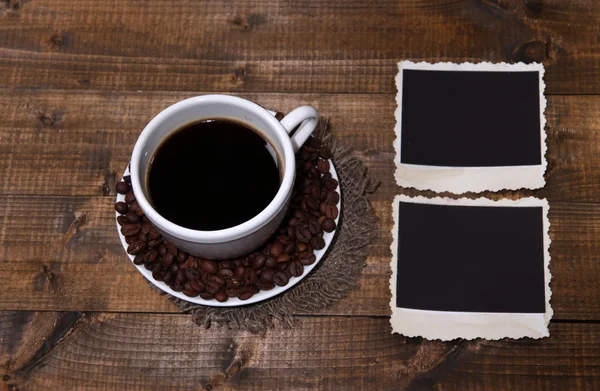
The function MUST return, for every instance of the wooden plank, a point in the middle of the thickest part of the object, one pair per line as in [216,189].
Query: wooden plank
[282,46]
[78,143]
[63,253]
[44,351]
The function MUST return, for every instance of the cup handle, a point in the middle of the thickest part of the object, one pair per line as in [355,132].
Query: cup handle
[307,117]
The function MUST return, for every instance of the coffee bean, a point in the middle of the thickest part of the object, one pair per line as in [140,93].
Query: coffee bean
[176,286]
[169,277]
[283,258]
[122,187]
[276,249]
[159,274]
[290,248]
[146,227]
[167,260]
[324,152]
[317,243]
[304,205]
[198,285]
[314,227]
[181,277]
[323,166]
[291,231]
[296,269]
[127,178]
[134,207]
[328,225]
[239,271]
[217,279]
[331,184]
[267,275]
[171,248]
[312,203]
[192,262]
[153,266]
[282,266]
[209,266]
[227,264]
[232,292]
[182,256]
[139,259]
[314,173]
[192,274]
[225,273]
[143,237]
[331,211]
[271,261]
[121,208]
[333,197]
[221,297]
[212,287]
[190,292]
[257,260]
[130,229]
[131,218]
[121,220]
[298,214]
[155,243]
[280,279]
[250,276]
[174,268]
[154,234]
[300,247]
[207,296]
[264,286]
[245,294]
[129,197]
[234,282]
[307,259]
[136,247]
[162,250]
[151,256]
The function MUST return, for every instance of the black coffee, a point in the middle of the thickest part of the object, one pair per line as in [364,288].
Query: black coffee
[212,175]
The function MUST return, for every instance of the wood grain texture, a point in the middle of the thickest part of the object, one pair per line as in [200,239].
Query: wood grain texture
[63,253]
[51,351]
[286,46]
[78,143]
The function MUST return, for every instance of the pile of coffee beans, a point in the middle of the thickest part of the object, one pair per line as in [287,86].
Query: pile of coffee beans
[312,212]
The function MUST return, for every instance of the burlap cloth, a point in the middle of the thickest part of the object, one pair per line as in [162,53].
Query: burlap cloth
[336,273]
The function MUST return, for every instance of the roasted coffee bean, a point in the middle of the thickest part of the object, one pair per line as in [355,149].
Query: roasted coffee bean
[333,197]
[207,296]
[198,285]
[190,292]
[176,286]
[283,258]
[192,274]
[181,277]
[162,250]
[130,229]
[328,225]
[139,259]
[265,286]
[323,166]
[239,271]
[225,273]
[212,287]
[307,259]
[300,247]
[298,214]
[304,205]
[227,264]
[146,227]
[151,256]
[331,211]
[232,292]
[127,178]
[287,272]
[315,213]
[257,260]
[167,260]
[154,234]
[129,197]
[171,248]
[314,173]
[215,278]
[132,218]
[296,269]
[271,261]
[221,297]
[307,165]
[324,152]
[245,293]
[131,239]
[280,279]
[192,262]
[209,266]
[169,277]
[153,266]
[182,256]
[250,276]
[314,227]
[276,249]
[155,242]
[312,203]
[281,266]
[143,237]
[136,247]
[134,207]
[121,208]
[174,268]
[121,220]
[331,184]
[317,242]
[290,248]
[159,274]
[122,187]
[284,239]
[291,231]
[267,274]
[234,282]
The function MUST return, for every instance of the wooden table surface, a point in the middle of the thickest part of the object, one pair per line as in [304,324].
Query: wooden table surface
[79,80]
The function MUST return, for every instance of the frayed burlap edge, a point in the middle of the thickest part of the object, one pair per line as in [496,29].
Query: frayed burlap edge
[333,277]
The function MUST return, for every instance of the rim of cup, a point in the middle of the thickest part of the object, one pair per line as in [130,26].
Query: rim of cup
[231,233]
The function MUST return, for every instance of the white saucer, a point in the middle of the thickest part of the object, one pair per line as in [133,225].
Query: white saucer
[234,301]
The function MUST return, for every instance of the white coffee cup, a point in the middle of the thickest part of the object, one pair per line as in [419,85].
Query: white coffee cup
[243,238]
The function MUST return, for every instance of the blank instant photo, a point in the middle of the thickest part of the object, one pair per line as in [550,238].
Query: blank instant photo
[470,268]
[470,127]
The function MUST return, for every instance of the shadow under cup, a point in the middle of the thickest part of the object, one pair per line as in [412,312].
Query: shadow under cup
[225,242]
